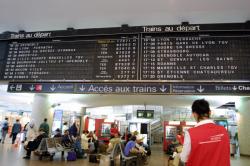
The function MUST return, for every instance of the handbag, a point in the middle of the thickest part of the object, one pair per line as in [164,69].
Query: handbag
[93,158]
[71,156]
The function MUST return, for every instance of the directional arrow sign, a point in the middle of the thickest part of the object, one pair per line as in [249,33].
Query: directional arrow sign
[32,87]
[42,87]
[53,88]
[12,87]
[200,89]
[163,88]
[235,88]
[123,88]
[82,88]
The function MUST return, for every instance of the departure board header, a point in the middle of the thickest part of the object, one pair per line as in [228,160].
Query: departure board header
[206,52]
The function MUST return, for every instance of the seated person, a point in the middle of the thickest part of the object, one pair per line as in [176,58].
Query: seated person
[113,141]
[58,133]
[92,142]
[33,145]
[132,148]
[78,147]
[66,139]
[129,136]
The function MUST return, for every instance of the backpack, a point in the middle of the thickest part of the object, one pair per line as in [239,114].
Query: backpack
[71,156]
[5,126]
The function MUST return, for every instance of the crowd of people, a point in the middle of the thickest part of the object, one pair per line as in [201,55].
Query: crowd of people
[203,140]
[70,136]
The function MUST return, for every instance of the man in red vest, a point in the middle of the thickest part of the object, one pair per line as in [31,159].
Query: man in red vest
[206,144]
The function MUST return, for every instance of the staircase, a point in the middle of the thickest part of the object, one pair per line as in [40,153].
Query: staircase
[156,131]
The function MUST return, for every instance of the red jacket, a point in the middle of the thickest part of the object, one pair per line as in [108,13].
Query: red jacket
[209,146]
[113,131]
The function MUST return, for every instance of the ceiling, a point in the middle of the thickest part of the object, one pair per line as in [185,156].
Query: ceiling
[30,15]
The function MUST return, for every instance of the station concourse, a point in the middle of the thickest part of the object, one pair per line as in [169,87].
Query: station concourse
[123,67]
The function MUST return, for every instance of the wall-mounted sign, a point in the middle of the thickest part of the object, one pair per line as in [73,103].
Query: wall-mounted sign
[146,114]
[132,88]
[184,53]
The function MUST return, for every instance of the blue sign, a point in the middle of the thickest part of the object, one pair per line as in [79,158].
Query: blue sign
[124,88]
[41,87]
[237,88]
[132,88]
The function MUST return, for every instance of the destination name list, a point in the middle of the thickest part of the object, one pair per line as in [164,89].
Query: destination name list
[195,58]
[73,60]
[128,57]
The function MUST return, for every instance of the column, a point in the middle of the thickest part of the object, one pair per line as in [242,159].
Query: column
[41,108]
[82,113]
[243,125]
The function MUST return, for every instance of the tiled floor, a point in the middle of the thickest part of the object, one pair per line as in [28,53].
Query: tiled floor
[12,156]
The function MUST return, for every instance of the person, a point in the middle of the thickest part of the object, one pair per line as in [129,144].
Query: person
[15,130]
[25,130]
[133,148]
[180,136]
[113,142]
[73,130]
[91,142]
[45,126]
[129,136]
[65,126]
[126,134]
[31,132]
[67,140]
[94,135]
[84,139]
[78,147]
[113,129]
[206,143]
[58,133]
[33,145]
[5,128]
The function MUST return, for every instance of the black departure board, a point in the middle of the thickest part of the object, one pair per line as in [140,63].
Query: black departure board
[195,57]
[109,58]
[211,52]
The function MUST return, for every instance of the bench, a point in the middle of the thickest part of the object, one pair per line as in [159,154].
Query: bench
[126,161]
[50,146]
[114,153]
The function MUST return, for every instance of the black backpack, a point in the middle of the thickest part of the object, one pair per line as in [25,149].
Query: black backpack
[5,126]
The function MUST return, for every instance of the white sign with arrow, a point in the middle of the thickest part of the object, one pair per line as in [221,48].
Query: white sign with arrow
[53,88]
[163,89]
[82,88]
[200,89]
[235,88]
[12,87]
[32,87]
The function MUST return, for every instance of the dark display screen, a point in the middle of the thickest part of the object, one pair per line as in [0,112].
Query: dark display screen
[113,58]
[147,114]
[195,57]
[138,56]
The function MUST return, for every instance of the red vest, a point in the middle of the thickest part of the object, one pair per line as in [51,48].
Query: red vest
[209,146]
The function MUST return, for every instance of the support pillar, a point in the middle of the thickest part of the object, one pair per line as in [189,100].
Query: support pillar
[82,113]
[41,108]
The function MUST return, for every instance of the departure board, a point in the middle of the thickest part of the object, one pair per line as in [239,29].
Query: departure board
[110,58]
[178,53]
[195,57]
